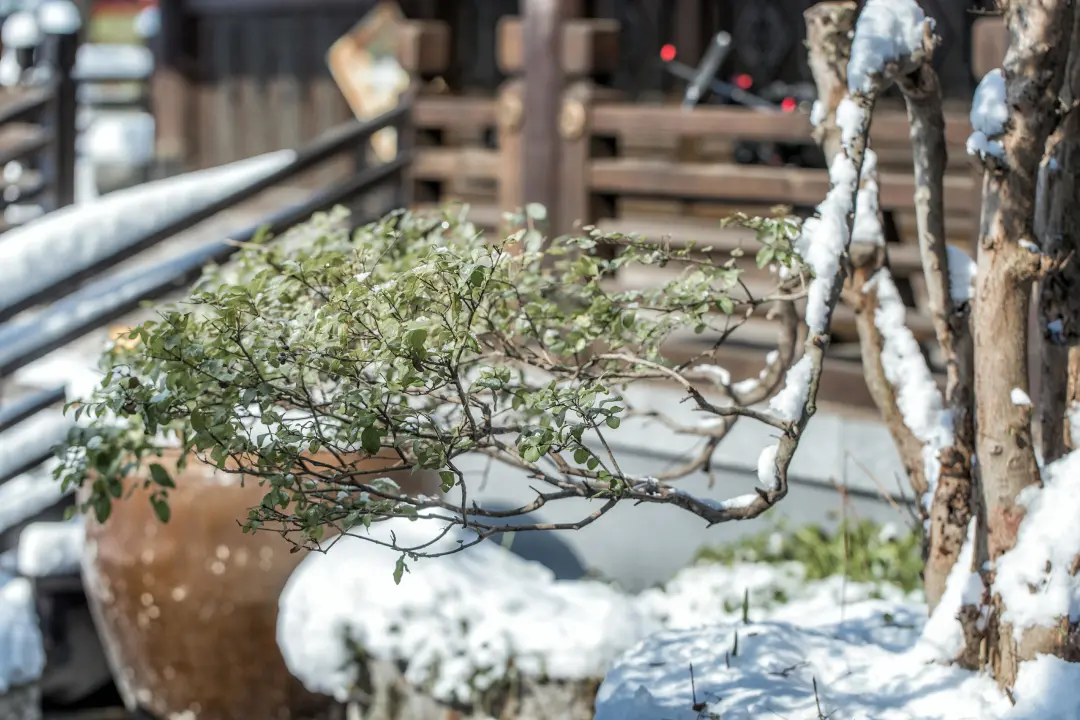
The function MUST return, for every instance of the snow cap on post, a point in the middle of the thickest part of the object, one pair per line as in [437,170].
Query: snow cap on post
[21,31]
[887,31]
[59,17]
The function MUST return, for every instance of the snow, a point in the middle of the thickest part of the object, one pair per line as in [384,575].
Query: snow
[824,238]
[458,623]
[867,228]
[858,641]
[817,113]
[23,497]
[942,638]
[1041,690]
[788,403]
[886,31]
[849,118]
[147,23]
[115,61]
[715,374]
[84,234]
[22,652]
[51,548]
[120,139]
[917,395]
[20,31]
[766,468]
[1036,579]
[962,271]
[989,114]
[750,384]
[59,17]
[1019,397]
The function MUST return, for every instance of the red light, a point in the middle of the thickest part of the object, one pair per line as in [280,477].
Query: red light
[667,53]
[789,104]
[744,81]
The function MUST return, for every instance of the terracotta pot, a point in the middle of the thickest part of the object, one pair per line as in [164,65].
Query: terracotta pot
[187,611]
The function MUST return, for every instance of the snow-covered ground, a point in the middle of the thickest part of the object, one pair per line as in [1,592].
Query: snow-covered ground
[762,640]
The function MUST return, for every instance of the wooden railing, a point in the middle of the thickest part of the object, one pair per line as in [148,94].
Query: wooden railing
[657,170]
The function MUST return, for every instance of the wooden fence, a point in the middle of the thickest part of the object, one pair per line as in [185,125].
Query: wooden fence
[654,169]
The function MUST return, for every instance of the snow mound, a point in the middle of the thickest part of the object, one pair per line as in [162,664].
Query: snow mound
[1037,578]
[457,623]
[22,653]
[769,669]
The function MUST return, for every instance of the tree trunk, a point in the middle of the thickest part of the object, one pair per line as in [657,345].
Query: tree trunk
[952,506]
[1034,69]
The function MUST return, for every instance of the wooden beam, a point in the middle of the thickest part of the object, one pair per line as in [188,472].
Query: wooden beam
[802,187]
[889,127]
[589,47]
[438,112]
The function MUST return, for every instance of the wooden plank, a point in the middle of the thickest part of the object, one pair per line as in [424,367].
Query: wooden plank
[802,187]
[437,112]
[256,63]
[228,120]
[989,41]
[423,47]
[889,127]
[290,37]
[443,164]
[589,47]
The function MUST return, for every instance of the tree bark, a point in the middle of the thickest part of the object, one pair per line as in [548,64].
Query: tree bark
[952,506]
[1034,69]
[1057,224]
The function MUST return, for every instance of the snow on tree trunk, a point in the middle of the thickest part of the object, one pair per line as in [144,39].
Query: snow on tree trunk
[1027,94]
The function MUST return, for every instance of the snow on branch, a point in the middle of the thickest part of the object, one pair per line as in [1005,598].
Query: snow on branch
[989,114]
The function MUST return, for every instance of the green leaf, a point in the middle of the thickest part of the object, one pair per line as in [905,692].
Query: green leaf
[448,479]
[581,455]
[371,439]
[613,422]
[530,454]
[416,338]
[161,508]
[400,568]
[161,476]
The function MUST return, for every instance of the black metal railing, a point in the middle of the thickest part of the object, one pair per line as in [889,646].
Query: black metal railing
[74,310]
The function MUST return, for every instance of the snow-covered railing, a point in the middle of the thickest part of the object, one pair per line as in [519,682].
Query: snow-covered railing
[86,259]
[103,301]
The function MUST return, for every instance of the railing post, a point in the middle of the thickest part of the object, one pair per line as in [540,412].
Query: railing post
[61,22]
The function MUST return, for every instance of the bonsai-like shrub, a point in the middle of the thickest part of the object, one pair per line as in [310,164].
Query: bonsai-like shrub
[418,338]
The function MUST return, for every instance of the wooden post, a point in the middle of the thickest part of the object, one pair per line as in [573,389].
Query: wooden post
[170,93]
[60,157]
[544,83]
